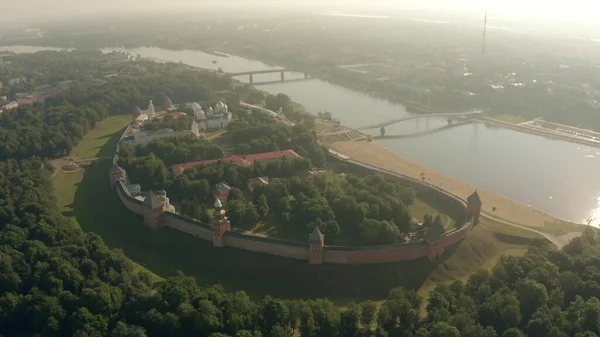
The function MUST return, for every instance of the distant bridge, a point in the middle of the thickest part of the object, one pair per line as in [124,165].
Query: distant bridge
[269,71]
[398,120]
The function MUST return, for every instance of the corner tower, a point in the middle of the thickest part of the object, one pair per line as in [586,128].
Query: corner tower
[474,207]
[154,214]
[220,224]
[316,242]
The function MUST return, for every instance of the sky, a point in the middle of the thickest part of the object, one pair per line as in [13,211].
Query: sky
[580,11]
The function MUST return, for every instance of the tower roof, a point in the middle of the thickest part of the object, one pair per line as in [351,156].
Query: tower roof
[152,200]
[316,235]
[437,229]
[218,203]
[474,198]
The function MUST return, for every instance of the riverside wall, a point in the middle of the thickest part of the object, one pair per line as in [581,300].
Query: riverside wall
[331,254]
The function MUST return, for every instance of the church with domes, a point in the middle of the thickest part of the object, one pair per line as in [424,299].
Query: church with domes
[216,118]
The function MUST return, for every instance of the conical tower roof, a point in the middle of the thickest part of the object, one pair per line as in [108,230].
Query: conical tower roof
[316,235]
[437,229]
[474,198]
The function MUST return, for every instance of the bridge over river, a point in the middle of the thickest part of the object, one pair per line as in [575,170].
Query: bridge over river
[402,119]
[281,72]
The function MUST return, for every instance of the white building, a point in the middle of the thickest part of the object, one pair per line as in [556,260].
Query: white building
[145,137]
[17,80]
[151,113]
[218,118]
[8,106]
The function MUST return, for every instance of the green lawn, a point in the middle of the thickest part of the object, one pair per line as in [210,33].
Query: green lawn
[420,208]
[93,144]
[559,228]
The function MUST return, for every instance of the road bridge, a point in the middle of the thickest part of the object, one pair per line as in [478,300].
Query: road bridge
[268,71]
[403,119]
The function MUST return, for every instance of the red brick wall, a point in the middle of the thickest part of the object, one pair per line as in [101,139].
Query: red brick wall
[300,253]
[189,228]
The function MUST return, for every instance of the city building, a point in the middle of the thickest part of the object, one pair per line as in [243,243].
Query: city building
[221,191]
[216,118]
[17,80]
[134,189]
[26,98]
[8,106]
[242,160]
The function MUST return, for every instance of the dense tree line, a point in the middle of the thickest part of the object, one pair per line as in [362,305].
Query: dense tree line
[168,122]
[251,138]
[171,151]
[370,209]
[52,128]
[58,281]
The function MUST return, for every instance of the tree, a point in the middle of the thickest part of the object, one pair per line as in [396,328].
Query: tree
[350,320]
[235,194]
[443,329]
[513,332]
[262,206]
[378,232]
[368,311]
[124,330]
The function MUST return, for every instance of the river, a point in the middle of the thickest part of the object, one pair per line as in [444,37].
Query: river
[554,176]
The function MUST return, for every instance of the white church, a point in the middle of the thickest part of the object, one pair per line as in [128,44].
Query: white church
[216,118]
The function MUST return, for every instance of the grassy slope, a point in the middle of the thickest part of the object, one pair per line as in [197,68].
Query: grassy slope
[86,196]
[98,142]
[484,245]
[93,144]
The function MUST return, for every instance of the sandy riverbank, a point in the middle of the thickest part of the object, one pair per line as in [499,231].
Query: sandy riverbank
[378,155]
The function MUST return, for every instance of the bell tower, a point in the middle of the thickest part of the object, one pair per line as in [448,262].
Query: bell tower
[474,207]
[220,224]
[316,241]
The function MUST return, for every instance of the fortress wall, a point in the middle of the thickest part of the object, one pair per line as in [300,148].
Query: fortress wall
[370,255]
[331,254]
[189,226]
[402,253]
[246,242]
[128,201]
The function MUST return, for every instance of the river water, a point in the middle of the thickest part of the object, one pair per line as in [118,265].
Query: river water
[555,176]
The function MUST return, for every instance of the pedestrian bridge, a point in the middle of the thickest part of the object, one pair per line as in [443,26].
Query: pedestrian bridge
[281,72]
[398,120]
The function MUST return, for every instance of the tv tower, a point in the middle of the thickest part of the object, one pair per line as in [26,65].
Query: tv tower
[484,34]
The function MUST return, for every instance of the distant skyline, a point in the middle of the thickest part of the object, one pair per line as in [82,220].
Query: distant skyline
[579,11]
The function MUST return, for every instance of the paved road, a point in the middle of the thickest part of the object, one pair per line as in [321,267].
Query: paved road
[559,242]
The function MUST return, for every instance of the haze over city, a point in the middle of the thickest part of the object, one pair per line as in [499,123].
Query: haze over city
[277,168]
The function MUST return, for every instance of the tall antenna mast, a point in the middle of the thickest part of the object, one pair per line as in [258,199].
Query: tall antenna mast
[484,34]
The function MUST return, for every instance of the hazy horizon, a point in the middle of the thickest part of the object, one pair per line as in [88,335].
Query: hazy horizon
[575,11]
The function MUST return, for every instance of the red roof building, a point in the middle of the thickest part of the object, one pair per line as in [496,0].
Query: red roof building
[221,191]
[257,180]
[242,160]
